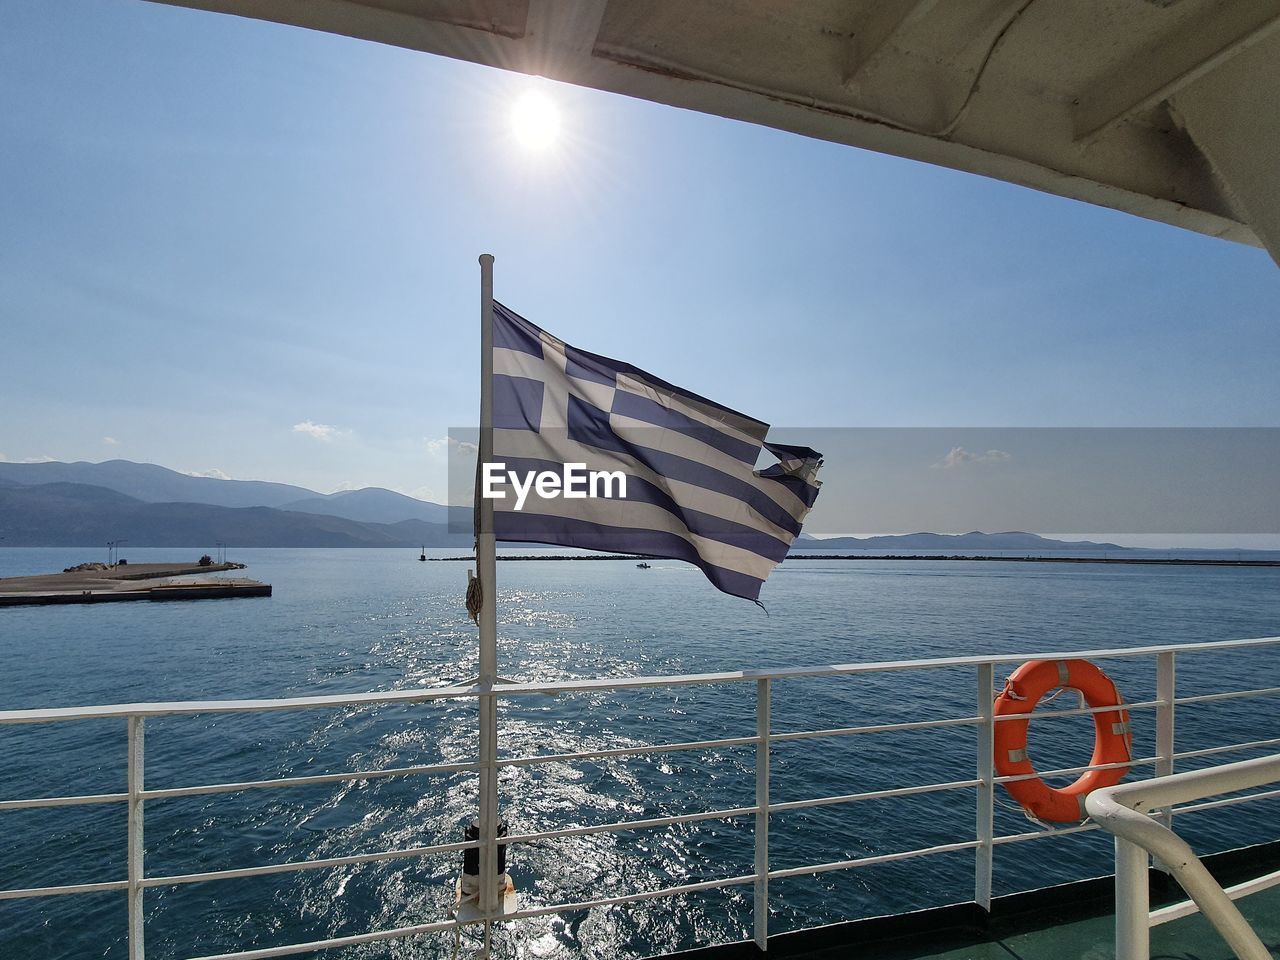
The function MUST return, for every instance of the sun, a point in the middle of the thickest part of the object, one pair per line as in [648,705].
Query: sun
[535,120]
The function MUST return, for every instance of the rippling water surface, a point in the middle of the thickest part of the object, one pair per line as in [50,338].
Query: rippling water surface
[358,621]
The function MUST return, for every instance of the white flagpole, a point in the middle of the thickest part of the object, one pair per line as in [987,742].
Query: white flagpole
[486,569]
[486,554]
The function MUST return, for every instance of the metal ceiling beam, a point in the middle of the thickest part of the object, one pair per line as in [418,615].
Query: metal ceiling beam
[562,30]
[1232,116]
[871,40]
[1197,49]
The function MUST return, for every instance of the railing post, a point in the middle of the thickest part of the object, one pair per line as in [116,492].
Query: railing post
[760,912]
[985,815]
[1166,674]
[135,787]
[1133,902]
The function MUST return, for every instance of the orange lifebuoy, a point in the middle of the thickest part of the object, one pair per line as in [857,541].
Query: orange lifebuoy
[1112,743]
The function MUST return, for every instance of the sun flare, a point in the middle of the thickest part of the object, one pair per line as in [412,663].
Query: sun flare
[535,120]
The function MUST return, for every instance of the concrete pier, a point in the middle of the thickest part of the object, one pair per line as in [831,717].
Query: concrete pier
[124,582]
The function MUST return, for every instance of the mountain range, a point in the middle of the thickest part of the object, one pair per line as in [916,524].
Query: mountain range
[975,541]
[86,504]
[155,484]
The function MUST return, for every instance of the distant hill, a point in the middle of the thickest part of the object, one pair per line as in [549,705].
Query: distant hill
[976,541]
[156,484]
[71,514]
[371,505]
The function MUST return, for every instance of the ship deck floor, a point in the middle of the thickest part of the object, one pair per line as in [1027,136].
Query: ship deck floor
[1093,938]
[1073,921]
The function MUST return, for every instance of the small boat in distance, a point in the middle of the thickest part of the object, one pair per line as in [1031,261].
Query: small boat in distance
[643,566]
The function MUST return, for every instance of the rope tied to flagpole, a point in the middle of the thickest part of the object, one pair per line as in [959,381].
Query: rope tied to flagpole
[475,597]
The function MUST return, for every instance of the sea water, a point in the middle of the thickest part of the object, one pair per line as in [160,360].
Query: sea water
[353,621]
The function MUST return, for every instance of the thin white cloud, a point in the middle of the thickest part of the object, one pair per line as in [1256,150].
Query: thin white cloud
[445,445]
[111,441]
[214,474]
[959,457]
[320,431]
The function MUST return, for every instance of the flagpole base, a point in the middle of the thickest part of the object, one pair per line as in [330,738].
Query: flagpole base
[466,904]
[466,910]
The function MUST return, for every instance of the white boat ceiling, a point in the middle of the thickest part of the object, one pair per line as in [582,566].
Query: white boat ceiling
[1167,109]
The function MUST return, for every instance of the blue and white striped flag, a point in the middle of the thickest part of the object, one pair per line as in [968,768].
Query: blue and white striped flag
[692,490]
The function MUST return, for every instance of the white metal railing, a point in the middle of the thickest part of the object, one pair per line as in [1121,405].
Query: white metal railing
[983,783]
[1125,811]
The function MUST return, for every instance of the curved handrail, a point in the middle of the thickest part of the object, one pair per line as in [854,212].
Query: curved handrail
[1125,811]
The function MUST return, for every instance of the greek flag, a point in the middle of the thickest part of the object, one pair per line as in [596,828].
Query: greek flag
[691,488]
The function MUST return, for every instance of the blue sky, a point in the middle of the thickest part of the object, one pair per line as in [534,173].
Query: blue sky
[217,232]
